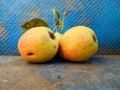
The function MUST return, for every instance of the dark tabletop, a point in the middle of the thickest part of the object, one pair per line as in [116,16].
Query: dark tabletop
[98,73]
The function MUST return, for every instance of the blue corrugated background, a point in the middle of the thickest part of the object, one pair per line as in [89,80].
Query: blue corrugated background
[103,16]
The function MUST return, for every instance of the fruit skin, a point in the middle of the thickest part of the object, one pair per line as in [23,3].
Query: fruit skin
[58,36]
[38,45]
[78,44]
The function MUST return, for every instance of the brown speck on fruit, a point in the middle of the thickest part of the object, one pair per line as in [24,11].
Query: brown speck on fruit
[51,35]
[94,38]
[30,54]
[54,46]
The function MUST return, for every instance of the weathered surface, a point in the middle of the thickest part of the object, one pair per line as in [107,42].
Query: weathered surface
[99,73]
[103,16]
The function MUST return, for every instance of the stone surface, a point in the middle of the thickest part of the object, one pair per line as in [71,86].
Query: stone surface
[98,73]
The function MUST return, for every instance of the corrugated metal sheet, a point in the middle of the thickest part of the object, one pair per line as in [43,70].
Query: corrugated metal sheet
[103,16]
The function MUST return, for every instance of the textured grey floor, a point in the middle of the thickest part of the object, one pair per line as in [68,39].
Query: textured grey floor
[99,73]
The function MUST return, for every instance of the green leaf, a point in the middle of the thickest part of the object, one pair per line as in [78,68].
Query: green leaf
[36,22]
[62,24]
[56,15]
[63,19]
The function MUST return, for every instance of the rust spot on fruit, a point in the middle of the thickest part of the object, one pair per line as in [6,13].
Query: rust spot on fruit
[30,54]
[52,35]
[94,38]
[54,46]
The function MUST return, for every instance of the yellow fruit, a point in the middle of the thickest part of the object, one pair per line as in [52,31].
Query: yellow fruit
[78,44]
[38,45]
[58,36]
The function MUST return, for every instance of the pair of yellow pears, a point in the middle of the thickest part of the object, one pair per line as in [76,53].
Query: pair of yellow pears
[41,44]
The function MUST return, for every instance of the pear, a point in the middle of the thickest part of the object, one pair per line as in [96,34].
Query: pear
[38,45]
[58,36]
[78,44]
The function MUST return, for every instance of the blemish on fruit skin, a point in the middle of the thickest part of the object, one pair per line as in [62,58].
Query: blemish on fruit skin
[30,54]
[52,35]
[94,38]
[54,46]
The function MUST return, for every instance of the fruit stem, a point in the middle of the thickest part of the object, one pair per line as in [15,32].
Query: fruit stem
[57,26]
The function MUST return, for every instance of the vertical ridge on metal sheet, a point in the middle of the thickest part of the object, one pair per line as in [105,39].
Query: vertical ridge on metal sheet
[103,16]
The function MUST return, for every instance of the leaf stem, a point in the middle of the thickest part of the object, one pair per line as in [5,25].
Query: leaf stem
[57,26]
